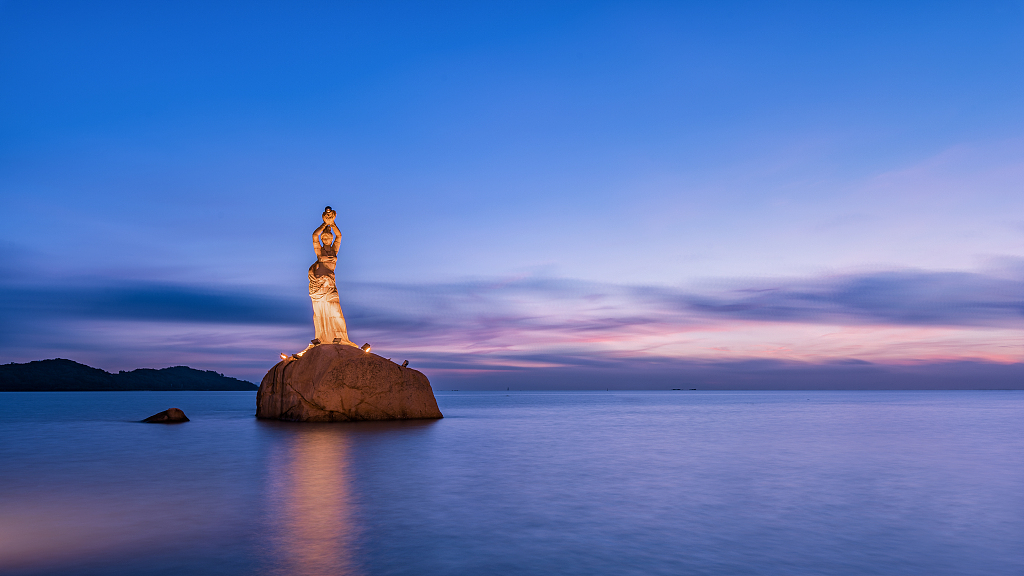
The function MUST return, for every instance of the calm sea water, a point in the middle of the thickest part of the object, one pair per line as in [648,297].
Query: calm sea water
[728,483]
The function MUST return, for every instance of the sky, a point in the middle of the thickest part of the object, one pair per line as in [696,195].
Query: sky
[531,195]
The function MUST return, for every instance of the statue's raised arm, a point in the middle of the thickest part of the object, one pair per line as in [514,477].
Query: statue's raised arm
[329,215]
[326,238]
[317,244]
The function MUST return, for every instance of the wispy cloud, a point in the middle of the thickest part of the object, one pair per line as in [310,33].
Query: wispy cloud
[538,323]
[908,298]
[151,302]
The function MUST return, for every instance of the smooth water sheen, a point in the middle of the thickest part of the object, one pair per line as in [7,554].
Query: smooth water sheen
[587,483]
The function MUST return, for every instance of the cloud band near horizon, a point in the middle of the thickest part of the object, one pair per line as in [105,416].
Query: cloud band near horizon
[507,326]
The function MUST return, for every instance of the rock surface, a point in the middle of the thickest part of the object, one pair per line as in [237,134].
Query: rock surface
[169,416]
[340,383]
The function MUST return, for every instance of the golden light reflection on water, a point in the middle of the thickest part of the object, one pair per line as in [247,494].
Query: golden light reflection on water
[310,505]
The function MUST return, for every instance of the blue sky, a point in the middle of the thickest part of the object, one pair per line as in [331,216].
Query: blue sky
[513,181]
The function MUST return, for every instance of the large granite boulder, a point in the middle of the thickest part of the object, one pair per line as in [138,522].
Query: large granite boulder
[339,383]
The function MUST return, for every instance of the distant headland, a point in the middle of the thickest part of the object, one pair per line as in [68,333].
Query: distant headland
[60,375]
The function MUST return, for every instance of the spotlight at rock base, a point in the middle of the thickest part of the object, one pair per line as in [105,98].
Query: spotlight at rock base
[283,356]
[365,347]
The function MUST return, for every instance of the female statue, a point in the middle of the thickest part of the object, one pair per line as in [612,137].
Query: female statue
[328,320]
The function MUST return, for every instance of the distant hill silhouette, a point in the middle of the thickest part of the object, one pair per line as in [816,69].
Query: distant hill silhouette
[60,375]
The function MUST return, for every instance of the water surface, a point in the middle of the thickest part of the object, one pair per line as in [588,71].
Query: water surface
[599,483]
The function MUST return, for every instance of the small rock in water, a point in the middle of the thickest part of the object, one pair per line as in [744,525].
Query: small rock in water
[169,416]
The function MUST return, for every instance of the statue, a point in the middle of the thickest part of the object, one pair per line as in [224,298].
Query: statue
[333,380]
[328,320]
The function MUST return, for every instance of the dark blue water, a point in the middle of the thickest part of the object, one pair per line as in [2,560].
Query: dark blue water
[728,483]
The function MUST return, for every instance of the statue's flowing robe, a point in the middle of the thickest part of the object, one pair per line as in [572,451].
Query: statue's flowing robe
[328,320]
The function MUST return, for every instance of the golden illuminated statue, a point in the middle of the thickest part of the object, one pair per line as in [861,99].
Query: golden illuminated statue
[328,320]
[333,380]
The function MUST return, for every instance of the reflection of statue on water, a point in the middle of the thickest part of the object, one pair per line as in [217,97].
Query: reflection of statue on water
[328,320]
[311,506]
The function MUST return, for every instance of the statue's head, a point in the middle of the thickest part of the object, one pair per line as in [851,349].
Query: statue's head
[327,237]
